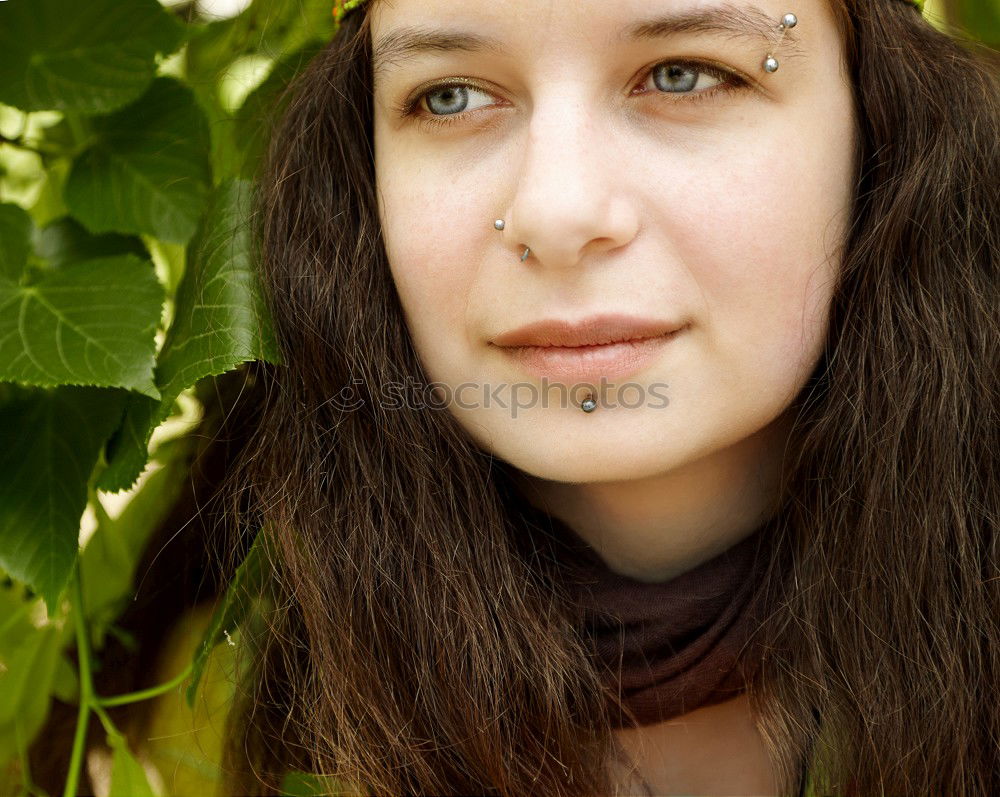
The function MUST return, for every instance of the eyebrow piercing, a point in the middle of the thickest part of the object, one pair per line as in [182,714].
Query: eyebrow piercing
[789,20]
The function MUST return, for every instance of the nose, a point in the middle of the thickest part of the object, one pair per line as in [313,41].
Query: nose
[570,201]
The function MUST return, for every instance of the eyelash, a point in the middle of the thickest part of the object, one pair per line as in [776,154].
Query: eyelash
[731,82]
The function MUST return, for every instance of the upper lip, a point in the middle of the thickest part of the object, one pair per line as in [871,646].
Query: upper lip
[591,331]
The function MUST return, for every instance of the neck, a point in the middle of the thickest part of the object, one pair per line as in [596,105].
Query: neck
[655,528]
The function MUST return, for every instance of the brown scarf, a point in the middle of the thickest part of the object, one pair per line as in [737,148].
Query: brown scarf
[670,647]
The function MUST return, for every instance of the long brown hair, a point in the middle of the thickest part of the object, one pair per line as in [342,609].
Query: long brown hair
[418,639]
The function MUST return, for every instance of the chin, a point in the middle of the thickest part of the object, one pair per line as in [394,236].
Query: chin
[623,458]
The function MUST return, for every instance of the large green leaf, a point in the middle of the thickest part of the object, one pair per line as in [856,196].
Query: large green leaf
[91,57]
[15,241]
[91,324]
[148,170]
[221,321]
[49,443]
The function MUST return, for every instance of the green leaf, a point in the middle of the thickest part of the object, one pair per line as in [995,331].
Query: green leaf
[26,683]
[247,583]
[15,241]
[221,321]
[49,204]
[66,241]
[49,444]
[128,450]
[92,324]
[27,667]
[128,778]
[31,664]
[148,171]
[90,57]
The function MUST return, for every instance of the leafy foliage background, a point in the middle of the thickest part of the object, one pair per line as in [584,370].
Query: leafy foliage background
[129,137]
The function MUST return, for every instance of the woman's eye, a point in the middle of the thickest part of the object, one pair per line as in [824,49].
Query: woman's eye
[680,78]
[447,100]
[687,81]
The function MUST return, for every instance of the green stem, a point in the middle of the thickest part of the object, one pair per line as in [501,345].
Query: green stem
[86,686]
[146,694]
[109,726]
[89,700]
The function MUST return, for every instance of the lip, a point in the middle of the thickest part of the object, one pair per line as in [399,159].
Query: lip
[609,345]
[591,331]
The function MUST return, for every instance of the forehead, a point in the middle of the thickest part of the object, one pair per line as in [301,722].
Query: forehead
[403,30]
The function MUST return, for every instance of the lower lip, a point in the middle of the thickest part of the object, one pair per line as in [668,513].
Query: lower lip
[590,363]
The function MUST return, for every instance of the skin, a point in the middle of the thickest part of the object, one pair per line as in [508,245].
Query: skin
[727,214]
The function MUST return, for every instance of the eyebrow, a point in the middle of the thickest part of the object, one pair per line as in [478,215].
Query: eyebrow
[748,22]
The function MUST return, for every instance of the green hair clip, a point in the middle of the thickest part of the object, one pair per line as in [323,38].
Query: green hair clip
[340,8]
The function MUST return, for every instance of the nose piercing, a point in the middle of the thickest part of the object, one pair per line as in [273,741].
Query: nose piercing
[499,224]
[789,20]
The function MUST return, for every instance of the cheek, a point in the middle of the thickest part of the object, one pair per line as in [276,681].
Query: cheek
[763,247]
[432,260]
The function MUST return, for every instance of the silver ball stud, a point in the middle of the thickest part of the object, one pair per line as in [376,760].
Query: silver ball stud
[789,20]
[498,224]
[588,405]
[770,64]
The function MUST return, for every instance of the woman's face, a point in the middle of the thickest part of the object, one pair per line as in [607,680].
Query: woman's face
[664,175]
